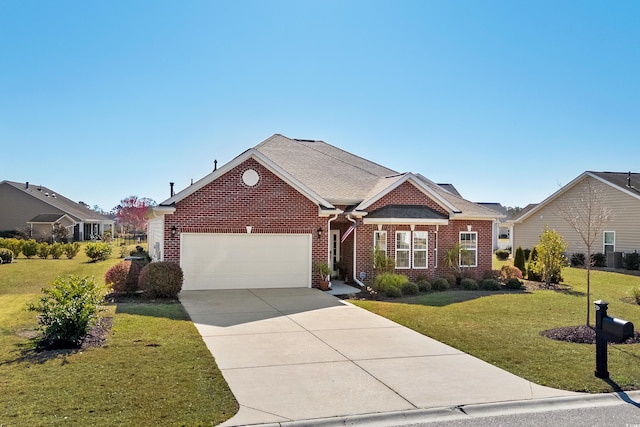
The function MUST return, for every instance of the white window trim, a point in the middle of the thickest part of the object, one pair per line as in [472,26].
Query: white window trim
[404,250]
[605,244]
[386,241]
[475,263]
[425,250]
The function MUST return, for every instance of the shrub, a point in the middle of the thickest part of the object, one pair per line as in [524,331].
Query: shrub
[441,285]
[502,255]
[385,280]
[410,288]
[636,295]
[510,272]
[518,259]
[527,254]
[43,250]
[161,280]
[599,259]
[123,277]
[30,248]
[140,252]
[6,256]
[14,245]
[513,283]
[423,284]
[577,259]
[71,249]
[453,280]
[67,310]
[493,274]
[392,292]
[491,285]
[56,250]
[632,261]
[98,251]
[469,284]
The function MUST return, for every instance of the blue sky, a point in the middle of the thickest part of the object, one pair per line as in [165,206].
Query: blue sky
[507,100]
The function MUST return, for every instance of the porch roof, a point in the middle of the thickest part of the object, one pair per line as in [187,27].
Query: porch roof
[406,214]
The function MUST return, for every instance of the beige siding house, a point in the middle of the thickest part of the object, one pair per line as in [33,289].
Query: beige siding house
[619,191]
[34,210]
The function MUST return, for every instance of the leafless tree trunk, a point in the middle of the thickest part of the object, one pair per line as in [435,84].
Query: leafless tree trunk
[587,213]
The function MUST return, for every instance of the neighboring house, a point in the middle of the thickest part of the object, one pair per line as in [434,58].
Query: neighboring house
[502,229]
[620,191]
[269,215]
[34,210]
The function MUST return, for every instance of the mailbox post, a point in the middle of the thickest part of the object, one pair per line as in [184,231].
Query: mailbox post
[608,329]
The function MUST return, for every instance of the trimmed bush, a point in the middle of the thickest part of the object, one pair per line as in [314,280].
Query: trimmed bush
[67,310]
[56,250]
[6,256]
[29,248]
[599,259]
[518,259]
[502,255]
[636,295]
[441,285]
[423,284]
[513,284]
[43,250]
[491,285]
[392,292]
[161,280]
[577,259]
[71,249]
[13,244]
[410,288]
[469,284]
[632,261]
[510,272]
[123,277]
[385,280]
[98,251]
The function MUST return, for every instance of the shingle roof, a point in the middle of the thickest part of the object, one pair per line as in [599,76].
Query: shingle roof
[626,180]
[406,211]
[75,210]
[47,218]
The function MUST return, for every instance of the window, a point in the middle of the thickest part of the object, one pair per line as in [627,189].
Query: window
[380,242]
[420,249]
[469,249]
[403,249]
[609,241]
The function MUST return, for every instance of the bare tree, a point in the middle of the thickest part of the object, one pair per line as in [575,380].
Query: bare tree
[587,213]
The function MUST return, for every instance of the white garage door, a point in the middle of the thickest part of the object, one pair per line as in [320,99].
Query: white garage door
[238,261]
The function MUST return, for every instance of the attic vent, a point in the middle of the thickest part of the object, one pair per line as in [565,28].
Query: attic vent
[53,194]
[46,194]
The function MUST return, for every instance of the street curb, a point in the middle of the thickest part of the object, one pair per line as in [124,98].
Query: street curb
[470,411]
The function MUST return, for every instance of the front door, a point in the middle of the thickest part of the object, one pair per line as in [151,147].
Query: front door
[335,252]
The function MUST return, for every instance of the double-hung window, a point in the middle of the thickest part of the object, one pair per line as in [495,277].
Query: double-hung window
[609,241]
[380,242]
[403,249]
[420,249]
[468,249]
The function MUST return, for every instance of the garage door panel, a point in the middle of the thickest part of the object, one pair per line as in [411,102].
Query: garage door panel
[237,261]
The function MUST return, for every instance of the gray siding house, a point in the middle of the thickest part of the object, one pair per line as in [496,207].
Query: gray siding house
[619,191]
[34,210]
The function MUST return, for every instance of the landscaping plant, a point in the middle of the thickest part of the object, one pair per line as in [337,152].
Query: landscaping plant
[161,280]
[98,251]
[518,259]
[6,256]
[67,310]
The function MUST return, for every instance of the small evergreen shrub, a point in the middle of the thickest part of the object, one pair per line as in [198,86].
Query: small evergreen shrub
[513,283]
[67,310]
[98,251]
[423,284]
[410,288]
[161,280]
[71,249]
[29,248]
[440,285]
[6,256]
[518,259]
[510,272]
[14,245]
[636,295]
[577,259]
[392,292]
[632,261]
[527,253]
[502,255]
[469,284]
[43,250]
[490,285]
[123,277]
[56,250]
[599,259]
[385,280]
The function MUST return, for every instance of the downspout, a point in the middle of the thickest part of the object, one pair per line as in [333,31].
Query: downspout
[355,234]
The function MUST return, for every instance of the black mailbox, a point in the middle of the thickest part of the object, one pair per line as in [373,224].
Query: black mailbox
[616,330]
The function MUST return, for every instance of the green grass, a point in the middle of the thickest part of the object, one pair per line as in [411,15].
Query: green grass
[503,328]
[153,370]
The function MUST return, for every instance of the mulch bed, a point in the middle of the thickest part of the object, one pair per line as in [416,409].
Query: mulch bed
[582,334]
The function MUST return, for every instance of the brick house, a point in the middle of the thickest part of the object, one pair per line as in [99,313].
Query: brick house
[265,218]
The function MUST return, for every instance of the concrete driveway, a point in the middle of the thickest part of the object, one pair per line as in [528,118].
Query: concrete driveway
[300,354]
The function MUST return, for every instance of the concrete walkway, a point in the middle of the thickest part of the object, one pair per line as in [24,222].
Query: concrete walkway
[300,354]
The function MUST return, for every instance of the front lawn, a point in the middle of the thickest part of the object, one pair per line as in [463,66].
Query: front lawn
[503,328]
[154,368]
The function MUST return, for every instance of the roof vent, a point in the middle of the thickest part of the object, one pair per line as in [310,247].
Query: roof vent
[53,194]
[46,194]
[171,189]
[26,185]
[629,179]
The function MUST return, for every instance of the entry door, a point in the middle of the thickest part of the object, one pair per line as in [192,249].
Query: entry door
[335,250]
